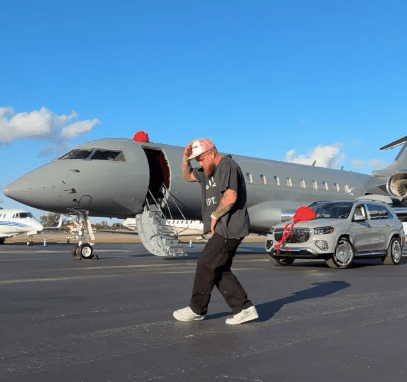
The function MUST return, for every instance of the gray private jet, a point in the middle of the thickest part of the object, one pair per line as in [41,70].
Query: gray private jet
[121,178]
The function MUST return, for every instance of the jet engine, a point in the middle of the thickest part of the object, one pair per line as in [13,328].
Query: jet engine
[397,184]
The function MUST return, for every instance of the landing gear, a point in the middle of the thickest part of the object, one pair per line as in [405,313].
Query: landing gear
[30,241]
[84,233]
[2,240]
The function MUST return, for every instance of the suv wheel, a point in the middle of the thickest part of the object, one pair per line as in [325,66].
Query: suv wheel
[281,262]
[394,252]
[343,256]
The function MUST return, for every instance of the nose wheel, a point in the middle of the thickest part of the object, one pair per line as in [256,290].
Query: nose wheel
[83,250]
[30,241]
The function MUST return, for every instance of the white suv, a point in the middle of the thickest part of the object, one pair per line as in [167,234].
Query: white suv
[343,231]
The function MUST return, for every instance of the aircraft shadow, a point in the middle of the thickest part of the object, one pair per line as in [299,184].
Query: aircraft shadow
[267,310]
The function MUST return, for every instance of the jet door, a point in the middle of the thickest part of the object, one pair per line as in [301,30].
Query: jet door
[159,174]
[157,237]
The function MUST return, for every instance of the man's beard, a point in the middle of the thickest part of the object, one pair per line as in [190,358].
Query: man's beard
[209,169]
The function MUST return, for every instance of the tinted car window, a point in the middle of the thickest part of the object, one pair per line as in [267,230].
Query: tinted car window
[337,210]
[374,211]
[385,213]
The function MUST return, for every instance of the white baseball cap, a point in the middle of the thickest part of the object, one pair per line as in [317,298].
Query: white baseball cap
[200,146]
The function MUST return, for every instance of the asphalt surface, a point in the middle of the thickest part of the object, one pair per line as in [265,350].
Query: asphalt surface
[111,319]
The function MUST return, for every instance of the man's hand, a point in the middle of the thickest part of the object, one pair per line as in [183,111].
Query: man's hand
[188,151]
[187,173]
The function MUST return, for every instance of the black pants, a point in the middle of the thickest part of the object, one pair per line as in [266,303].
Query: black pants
[213,268]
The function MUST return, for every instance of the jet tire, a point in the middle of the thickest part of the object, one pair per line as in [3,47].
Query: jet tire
[74,251]
[85,251]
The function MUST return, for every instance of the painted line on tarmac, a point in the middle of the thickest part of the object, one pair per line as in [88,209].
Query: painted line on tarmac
[103,267]
[48,279]
[193,270]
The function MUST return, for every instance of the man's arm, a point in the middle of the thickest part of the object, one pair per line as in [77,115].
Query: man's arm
[225,205]
[187,173]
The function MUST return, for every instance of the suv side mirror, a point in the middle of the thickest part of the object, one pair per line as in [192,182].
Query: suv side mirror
[358,218]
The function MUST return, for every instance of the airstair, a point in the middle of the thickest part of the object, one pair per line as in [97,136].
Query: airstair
[158,238]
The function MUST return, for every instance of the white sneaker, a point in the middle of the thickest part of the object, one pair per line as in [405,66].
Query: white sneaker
[245,315]
[187,314]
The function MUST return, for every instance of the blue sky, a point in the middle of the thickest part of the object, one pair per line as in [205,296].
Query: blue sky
[271,79]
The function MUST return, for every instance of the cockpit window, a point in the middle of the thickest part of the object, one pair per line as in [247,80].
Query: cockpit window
[111,155]
[25,215]
[77,154]
[95,154]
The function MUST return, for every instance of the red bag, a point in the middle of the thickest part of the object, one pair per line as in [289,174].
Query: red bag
[303,214]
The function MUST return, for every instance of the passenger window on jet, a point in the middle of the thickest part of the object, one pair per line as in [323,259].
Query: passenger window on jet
[111,155]
[263,179]
[302,182]
[373,211]
[315,184]
[277,180]
[77,154]
[325,184]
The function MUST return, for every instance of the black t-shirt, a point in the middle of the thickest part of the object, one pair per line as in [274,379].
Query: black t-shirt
[227,176]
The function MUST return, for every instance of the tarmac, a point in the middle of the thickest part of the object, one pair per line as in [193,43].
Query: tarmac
[111,319]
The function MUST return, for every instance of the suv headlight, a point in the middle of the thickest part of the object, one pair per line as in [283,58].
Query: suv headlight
[323,230]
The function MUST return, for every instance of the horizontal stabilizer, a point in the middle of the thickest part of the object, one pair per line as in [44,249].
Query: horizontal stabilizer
[394,144]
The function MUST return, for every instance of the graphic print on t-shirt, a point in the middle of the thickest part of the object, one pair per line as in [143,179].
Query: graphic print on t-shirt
[211,200]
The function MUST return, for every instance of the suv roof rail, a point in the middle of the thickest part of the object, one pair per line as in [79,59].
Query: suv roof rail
[379,198]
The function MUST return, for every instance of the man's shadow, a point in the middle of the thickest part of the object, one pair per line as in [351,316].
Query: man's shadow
[267,310]
[321,289]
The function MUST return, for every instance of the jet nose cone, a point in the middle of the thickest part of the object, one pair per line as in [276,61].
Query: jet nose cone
[16,190]
[6,191]
[39,227]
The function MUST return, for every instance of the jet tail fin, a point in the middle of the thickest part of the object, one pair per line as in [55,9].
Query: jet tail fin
[394,144]
[400,163]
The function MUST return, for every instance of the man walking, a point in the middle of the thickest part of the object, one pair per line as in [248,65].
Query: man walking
[224,213]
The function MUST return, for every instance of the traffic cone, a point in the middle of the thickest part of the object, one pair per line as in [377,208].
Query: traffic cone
[45,242]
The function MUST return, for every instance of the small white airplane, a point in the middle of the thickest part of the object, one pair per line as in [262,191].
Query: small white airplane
[15,222]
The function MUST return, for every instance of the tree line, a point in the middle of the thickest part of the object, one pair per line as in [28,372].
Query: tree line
[52,220]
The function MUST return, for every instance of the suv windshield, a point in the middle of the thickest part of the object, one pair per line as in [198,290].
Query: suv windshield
[336,210]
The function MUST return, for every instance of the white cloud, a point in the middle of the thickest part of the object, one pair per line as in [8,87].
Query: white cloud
[79,128]
[375,164]
[41,124]
[323,156]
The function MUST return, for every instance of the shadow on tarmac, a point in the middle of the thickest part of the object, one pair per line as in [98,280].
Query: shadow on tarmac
[267,310]
[322,289]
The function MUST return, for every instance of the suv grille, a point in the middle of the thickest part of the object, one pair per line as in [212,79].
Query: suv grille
[299,235]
